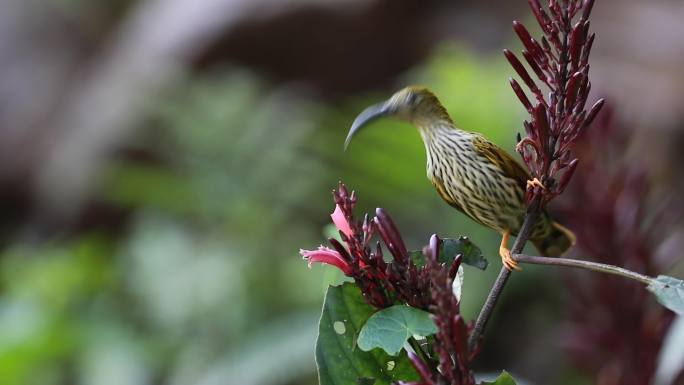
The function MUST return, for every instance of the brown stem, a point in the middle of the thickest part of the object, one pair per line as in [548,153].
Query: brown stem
[497,288]
[587,265]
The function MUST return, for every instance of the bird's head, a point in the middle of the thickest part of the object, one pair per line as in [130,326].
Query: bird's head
[414,104]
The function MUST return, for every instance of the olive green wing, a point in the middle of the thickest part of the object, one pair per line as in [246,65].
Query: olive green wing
[501,159]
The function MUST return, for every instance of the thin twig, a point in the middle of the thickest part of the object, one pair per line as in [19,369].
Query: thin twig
[415,345]
[497,288]
[587,265]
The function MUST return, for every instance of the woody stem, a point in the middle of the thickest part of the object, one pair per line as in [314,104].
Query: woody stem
[504,274]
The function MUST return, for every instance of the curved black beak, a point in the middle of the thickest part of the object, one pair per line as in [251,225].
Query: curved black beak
[366,116]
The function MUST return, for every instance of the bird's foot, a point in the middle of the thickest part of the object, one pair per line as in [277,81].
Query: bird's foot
[508,261]
[535,183]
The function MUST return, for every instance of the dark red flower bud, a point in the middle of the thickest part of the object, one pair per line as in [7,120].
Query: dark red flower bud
[565,177]
[587,49]
[541,125]
[521,31]
[587,6]
[390,235]
[521,94]
[577,39]
[593,112]
[520,69]
[453,270]
[572,89]
[529,58]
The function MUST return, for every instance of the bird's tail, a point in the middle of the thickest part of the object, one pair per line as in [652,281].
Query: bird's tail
[556,243]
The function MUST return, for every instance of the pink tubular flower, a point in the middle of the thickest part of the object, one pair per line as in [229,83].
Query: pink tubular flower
[328,256]
[341,222]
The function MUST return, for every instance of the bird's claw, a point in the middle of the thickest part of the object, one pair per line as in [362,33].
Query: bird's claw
[508,261]
[535,183]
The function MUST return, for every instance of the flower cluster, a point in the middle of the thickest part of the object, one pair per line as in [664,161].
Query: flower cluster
[401,281]
[452,334]
[451,342]
[615,328]
[382,283]
[560,61]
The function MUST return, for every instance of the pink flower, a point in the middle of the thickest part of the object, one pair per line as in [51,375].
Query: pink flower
[340,221]
[328,256]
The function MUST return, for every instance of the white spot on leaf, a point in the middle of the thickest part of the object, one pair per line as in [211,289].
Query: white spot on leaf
[339,327]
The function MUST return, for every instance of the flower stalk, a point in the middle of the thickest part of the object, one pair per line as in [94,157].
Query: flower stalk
[560,61]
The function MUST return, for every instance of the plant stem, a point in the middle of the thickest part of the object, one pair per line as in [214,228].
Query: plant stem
[594,266]
[421,353]
[497,288]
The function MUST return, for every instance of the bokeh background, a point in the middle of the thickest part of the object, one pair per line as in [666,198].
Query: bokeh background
[162,162]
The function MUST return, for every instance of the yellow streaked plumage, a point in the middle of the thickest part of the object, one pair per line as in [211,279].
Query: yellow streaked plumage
[469,172]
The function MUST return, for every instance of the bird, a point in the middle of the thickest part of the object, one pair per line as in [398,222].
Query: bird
[469,172]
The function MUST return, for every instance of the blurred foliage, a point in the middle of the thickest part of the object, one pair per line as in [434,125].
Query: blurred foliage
[228,179]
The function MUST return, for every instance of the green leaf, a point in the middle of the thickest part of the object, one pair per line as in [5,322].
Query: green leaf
[472,255]
[390,328]
[503,379]
[670,292]
[339,360]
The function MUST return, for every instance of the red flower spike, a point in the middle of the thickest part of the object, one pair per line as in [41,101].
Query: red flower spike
[560,60]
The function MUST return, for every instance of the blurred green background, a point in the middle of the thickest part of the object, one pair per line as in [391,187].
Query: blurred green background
[162,162]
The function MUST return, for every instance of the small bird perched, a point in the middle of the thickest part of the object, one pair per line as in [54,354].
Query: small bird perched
[470,173]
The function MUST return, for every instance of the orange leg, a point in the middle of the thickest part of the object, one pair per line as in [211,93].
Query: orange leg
[505,254]
[535,183]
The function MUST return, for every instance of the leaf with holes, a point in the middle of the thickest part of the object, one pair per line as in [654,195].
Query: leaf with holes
[390,328]
[503,379]
[472,255]
[670,292]
[338,359]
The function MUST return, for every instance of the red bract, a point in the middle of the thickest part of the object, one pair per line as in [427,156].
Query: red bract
[561,63]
